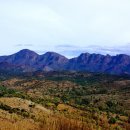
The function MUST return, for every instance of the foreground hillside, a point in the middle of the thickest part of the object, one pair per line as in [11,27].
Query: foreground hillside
[65,101]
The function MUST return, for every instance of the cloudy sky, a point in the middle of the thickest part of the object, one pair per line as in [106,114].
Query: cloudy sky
[69,27]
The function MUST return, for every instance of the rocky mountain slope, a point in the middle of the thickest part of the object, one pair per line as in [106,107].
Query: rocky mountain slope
[28,61]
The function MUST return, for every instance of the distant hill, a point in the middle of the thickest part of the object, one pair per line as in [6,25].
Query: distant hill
[29,61]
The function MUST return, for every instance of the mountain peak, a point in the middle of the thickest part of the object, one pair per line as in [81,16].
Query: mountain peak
[84,54]
[53,54]
[26,52]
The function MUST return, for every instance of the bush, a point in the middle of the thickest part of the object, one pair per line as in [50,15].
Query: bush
[32,105]
[5,107]
[85,101]
[111,104]
[129,119]
[112,120]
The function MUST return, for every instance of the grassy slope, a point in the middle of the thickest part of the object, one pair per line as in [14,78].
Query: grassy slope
[77,101]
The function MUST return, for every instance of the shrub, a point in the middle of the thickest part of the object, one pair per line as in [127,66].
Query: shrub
[112,120]
[32,105]
[110,104]
[5,107]
[129,119]
[85,101]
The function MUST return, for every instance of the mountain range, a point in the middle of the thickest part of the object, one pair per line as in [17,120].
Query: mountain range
[29,61]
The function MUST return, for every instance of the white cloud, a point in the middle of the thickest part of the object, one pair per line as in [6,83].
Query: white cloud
[72,51]
[48,23]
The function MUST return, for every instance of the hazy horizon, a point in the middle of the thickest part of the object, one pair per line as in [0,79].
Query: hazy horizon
[69,57]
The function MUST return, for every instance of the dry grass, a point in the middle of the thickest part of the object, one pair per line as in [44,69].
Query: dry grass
[44,119]
[19,125]
[62,123]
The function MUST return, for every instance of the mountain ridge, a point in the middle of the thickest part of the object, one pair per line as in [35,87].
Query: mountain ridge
[26,61]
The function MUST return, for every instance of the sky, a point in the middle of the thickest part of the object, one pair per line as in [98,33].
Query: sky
[68,27]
